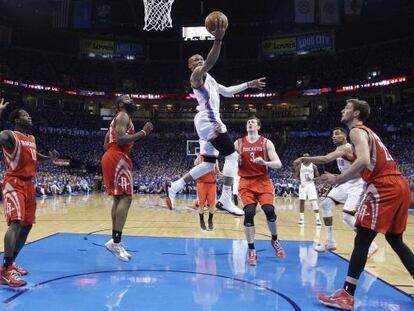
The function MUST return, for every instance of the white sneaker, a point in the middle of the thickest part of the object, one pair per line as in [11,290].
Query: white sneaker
[301,221]
[325,247]
[117,250]
[125,251]
[318,222]
[230,208]
[170,198]
[373,248]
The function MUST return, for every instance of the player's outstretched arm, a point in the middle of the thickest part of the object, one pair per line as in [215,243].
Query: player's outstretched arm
[359,138]
[332,156]
[234,89]
[53,155]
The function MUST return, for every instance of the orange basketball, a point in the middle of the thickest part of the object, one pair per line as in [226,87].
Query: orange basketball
[211,18]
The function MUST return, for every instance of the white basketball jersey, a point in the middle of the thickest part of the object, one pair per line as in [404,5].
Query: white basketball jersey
[207,95]
[306,174]
[344,164]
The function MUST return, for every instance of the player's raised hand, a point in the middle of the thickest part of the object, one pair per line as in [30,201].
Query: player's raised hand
[148,127]
[259,161]
[257,84]
[3,104]
[220,29]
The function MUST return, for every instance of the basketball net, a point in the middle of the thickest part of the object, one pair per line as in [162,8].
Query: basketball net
[157,14]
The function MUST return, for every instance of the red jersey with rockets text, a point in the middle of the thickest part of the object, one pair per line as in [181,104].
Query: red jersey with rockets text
[21,159]
[248,152]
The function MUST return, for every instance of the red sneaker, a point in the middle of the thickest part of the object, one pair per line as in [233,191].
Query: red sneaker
[252,260]
[20,270]
[340,299]
[278,248]
[10,277]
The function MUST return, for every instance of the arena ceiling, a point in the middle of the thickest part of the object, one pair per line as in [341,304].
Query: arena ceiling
[131,12]
[254,16]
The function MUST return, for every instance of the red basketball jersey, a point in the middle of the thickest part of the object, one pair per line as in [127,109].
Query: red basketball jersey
[210,177]
[381,162]
[21,160]
[112,144]
[248,151]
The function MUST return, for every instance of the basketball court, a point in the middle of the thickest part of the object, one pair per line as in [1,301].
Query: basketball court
[176,266]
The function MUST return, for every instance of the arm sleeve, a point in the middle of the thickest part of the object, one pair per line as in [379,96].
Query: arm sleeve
[231,90]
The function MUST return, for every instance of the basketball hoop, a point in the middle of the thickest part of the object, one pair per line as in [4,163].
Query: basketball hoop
[157,14]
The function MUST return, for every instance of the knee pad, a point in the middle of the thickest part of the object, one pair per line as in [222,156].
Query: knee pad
[209,159]
[231,165]
[224,144]
[349,219]
[327,206]
[269,211]
[249,213]
[201,169]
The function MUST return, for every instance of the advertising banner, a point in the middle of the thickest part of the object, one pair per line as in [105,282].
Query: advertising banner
[314,42]
[123,49]
[97,47]
[279,46]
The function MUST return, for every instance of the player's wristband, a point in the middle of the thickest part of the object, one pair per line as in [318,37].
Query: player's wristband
[145,133]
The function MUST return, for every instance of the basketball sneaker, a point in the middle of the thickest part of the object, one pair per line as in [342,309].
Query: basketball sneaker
[280,252]
[125,251]
[252,259]
[325,247]
[340,299]
[117,249]
[301,221]
[373,248]
[210,225]
[318,222]
[10,277]
[230,208]
[20,270]
[170,196]
[203,225]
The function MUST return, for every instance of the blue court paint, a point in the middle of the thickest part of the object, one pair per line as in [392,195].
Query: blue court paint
[68,272]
